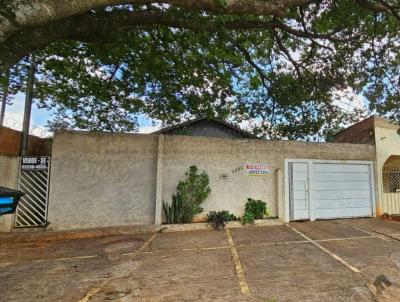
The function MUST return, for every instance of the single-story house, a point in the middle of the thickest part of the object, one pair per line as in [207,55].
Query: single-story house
[102,179]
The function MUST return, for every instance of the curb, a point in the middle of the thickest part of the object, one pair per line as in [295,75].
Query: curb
[49,236]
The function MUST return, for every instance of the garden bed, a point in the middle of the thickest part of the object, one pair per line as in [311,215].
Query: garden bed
[207,226]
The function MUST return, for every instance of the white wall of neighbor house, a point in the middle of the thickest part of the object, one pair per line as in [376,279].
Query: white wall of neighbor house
[387,141]
[104,179]
[8,178]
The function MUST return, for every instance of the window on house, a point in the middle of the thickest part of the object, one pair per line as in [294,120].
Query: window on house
[391,176]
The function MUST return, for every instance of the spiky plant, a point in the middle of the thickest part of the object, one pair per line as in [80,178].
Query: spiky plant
[219,219]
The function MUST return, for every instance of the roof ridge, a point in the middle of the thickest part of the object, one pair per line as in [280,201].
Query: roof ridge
[213,119]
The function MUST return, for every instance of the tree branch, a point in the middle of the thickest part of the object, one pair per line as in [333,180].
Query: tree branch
[96,27]
[16,15]
[379,7]
[264,79]
[286,52]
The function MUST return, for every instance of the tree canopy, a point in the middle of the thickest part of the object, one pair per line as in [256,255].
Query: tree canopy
[281,66]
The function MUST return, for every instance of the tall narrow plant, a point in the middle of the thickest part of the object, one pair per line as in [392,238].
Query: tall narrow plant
[173,212]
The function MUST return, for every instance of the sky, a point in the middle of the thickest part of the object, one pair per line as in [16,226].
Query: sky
[39,117]
[14,118]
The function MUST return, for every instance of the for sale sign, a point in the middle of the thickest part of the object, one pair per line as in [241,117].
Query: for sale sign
[35,163]
[258,169]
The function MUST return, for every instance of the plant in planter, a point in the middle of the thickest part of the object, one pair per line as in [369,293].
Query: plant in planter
[268,213]
[220,218]
[191,193]
[173,212]
[254,209]
[231,217]
[257,207]
[247,218]
[194,190]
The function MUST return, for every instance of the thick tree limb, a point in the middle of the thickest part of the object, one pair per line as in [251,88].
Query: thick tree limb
[98,28]
[380,7]
[29,25]
[17,15]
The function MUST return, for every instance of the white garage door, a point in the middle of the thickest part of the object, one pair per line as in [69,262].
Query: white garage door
[342,190]
[328,189]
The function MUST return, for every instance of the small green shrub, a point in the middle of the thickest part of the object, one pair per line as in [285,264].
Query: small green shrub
[220,218]
[247,218]
[257,207]
[267,212]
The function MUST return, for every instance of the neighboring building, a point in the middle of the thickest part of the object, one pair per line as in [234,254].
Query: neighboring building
[359,133]
[10,143]
[209,127]
[384,134]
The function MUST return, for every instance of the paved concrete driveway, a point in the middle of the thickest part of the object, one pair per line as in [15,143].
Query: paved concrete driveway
[342,260]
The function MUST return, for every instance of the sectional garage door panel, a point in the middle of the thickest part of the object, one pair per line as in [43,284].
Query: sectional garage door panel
[342,190]
[340,168]
[342,213]
[342,194]
[342,203]
[341,177]
[335,186]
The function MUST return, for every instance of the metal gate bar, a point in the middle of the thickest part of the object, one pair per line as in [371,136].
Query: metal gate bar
[34,182]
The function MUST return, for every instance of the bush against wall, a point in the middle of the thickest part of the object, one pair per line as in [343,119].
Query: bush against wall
[254,209]
[191,193]
[257,207]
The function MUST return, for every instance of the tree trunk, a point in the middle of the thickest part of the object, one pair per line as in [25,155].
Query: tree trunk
[28,108]
[4,98]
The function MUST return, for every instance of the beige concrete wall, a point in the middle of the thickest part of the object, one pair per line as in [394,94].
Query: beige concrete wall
[102,179]
[8,178]
[222,156]
[387,144]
